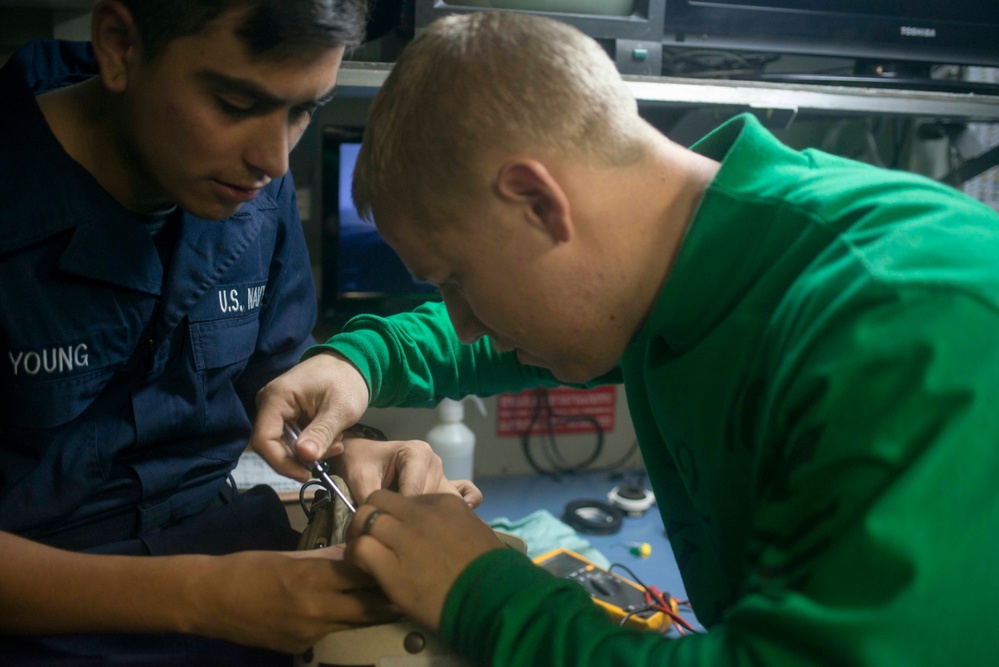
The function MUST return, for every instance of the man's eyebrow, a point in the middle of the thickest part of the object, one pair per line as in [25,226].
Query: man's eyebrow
[240,86]
[251,89]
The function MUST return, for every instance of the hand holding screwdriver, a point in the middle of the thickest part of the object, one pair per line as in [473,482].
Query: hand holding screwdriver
[318,468]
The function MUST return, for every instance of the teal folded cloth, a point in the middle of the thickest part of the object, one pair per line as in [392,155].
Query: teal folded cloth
[543,532]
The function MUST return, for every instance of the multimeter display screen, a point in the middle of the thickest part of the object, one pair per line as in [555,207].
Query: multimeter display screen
[563,565]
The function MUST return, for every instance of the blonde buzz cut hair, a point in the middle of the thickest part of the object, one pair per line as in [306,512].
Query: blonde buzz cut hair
[472,84]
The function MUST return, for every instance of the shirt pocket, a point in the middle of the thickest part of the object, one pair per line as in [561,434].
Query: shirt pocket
[50,385]
[221,350]
[224,325]
[223,343]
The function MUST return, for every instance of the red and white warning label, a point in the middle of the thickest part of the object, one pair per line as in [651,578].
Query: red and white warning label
[564,411]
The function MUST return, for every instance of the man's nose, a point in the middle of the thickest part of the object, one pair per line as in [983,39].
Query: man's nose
[269,144]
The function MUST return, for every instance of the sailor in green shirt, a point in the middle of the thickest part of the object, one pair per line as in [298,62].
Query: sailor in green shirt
[810,349]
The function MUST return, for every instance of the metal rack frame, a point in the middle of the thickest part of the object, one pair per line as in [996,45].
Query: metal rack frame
[779,103]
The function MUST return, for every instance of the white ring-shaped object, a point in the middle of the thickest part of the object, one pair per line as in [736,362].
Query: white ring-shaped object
[631,506]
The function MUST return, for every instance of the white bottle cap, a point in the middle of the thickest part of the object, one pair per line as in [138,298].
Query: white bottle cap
[451,410]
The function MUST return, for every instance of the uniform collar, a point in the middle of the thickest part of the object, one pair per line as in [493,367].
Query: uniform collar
[207,249]
[71,197]
[41,207]
[123,253]
[713,263]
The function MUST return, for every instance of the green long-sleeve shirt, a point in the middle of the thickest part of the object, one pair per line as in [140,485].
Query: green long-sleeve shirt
[816,397]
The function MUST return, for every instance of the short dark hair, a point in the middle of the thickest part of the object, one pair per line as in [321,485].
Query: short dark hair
[273,28]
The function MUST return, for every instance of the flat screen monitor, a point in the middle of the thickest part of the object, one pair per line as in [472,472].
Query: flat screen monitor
[360,272]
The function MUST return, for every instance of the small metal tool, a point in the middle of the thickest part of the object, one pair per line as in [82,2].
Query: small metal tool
[318,468]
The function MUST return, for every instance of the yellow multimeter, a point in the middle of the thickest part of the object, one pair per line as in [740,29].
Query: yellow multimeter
[620,597]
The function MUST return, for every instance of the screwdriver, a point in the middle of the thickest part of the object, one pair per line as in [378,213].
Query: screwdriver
[318,468]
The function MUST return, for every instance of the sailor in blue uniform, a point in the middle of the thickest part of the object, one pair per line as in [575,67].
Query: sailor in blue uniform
[126,396]
[153,277]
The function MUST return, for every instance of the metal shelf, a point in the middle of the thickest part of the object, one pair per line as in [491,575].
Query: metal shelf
[362,79]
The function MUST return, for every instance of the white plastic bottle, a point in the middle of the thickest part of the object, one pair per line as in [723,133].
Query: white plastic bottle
[453,441]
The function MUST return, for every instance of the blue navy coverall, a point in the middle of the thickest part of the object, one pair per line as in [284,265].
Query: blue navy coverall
[127,395]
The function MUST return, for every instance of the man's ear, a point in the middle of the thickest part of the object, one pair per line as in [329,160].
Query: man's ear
[529,183]
[115,40]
